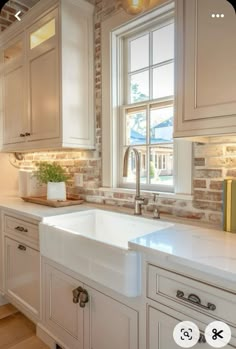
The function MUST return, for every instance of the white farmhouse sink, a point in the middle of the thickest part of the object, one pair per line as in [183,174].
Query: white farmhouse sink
[94,243]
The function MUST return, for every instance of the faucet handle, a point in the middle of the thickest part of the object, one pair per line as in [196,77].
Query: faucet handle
[155,197]
[145,201]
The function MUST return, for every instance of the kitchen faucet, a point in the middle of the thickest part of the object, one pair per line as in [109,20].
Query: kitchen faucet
[139,201]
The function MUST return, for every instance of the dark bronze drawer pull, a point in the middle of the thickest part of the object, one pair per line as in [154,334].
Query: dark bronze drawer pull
[22,247]
[21,229]
[202,338]
[194,299]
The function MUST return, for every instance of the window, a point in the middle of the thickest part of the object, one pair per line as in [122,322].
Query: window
[147,113]
[142,117]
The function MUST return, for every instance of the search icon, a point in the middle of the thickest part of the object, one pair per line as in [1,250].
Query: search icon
[186,334]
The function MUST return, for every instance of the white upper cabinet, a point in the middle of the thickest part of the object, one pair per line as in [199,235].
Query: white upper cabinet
[47,78]
[13,91]
[43,78]
[205,68]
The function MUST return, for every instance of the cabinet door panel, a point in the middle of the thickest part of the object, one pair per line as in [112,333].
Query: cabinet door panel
[42,36]
[22,275]
[109,324]
[44,96]
[205,68]
[210,53]
[14,107]
[63,317]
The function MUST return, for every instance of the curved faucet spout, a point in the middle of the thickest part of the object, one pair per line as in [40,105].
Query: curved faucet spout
[125,167]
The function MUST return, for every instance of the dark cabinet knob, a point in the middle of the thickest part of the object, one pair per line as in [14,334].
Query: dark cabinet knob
[22,135]
[27,134]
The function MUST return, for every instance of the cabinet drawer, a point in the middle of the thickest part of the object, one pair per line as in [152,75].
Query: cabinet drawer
[24,231]
[212,301]
[161,324]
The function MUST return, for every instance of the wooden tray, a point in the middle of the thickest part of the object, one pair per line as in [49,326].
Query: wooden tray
[42,200]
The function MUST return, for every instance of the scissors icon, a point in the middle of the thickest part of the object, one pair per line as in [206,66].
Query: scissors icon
[217,334]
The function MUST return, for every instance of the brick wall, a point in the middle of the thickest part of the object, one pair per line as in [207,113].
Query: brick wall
[212,162]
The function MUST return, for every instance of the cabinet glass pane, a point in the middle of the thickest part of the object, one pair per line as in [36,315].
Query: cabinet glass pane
[163,81]
[139,87]
[136,128]
[139,59]
[163,44]
[42,34]
[14,51]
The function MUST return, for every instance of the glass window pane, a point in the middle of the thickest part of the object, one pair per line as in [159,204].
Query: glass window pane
[163,81]
[14,51]
[163,44]
[161,165]
[42,34]
[136,128]
[139,53]
[139,87]
[132,166]
[161,125]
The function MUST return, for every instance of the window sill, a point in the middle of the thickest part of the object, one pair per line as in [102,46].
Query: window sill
[174,196]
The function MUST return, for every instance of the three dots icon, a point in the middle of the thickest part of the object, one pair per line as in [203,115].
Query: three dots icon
[217,15]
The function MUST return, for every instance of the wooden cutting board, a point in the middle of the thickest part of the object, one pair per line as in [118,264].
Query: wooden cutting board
[42,200]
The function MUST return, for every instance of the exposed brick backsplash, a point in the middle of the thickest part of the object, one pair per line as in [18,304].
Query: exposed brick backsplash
[212,162]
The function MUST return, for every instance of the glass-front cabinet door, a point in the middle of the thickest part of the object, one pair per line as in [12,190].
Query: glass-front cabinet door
[13,91]
[43,33]
[43,78]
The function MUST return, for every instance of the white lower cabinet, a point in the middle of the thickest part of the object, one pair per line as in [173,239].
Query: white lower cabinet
[161,324]
[22,276]
[99,323]
[61,316]
[109,324]
[174,298]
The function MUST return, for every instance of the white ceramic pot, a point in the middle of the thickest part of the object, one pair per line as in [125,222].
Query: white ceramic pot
[56,191]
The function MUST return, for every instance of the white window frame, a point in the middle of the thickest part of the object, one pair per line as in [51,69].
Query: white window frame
[113,29]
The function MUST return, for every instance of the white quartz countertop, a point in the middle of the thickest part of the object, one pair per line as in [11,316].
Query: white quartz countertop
[208,250]
[34,211]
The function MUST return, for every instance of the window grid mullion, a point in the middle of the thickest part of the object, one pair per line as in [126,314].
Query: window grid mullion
[148,106]
[148,143]
[128,76]
[150,65]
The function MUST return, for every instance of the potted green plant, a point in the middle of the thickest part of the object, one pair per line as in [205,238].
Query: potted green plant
[55,177]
